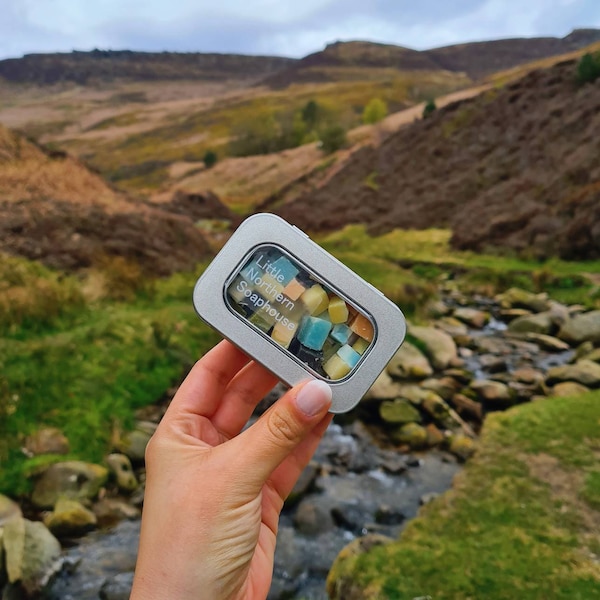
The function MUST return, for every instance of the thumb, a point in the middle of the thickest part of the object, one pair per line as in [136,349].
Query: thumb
[265,445]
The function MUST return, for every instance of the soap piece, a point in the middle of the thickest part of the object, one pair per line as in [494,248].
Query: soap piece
[294,289]
[312,358]
[338,311]
[341,333]
[315,299]
[330,347]
[284,334]
[313,332]
[348,355]
[360,345]
[362,326]
[284,270]
[336,368]
[264,324]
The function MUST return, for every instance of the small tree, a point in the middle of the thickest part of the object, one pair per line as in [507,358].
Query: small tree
[310,114]
[210,159]
[588,68]
[376,110]
[430,108]
[333,137]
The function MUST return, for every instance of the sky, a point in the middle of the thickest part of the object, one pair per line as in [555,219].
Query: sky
[276,27]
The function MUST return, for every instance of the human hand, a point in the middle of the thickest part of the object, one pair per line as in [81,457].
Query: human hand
[213,494]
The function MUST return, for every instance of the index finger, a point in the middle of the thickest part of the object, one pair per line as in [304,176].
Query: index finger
[204,387]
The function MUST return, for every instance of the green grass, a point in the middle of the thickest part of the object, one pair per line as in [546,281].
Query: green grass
[507,529]
[87,373]
[427,256]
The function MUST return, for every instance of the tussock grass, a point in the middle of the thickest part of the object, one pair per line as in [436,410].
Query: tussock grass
[521,521]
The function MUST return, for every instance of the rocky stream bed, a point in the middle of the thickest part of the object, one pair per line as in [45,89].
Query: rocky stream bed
[372,471]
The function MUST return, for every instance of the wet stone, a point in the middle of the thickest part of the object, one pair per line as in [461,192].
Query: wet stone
[117,587]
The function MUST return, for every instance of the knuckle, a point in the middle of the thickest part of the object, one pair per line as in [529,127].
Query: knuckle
[283,430]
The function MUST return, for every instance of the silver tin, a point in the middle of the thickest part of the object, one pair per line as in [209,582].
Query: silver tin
[266,229]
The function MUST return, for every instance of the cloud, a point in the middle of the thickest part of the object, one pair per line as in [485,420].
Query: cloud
[276,27]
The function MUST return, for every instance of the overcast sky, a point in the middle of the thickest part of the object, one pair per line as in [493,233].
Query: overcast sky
[276,27]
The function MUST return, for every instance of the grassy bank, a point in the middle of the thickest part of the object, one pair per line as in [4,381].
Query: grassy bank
[522,521]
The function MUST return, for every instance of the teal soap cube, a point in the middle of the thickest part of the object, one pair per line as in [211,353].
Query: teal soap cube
[341,333]
[313,332]
[283,267]
[349,355]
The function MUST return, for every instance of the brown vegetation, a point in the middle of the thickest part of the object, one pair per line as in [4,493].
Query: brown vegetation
[514,167]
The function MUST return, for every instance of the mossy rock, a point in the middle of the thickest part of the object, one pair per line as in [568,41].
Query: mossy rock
[412,434]
[399,411]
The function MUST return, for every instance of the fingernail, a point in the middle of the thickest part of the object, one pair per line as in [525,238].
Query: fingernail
[314,397]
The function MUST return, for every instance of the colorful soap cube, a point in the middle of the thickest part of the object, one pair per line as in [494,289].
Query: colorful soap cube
[236,289]
[338,310]
[360,345]
[330,347]
[315,299]
[284,270]
[294,289]
[363,327]
[261,322]
[336,368]
[312,358]
[284,334]
[341,333]
[349,355]
[313,332]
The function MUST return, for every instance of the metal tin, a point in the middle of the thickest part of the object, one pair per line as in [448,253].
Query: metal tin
[299,311]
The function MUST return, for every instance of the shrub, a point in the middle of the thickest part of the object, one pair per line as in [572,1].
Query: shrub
[430,107]
[588,68]
[311,114]
[376,110]
[333,137]
[210,159]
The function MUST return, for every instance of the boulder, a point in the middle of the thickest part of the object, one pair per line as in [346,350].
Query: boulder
[399,411]
[435,309]
[305,483]
[387,515]
[453,327]
[582,328]
[547,342]
[528,376]
[444,387]
[541,323]
[585,372]
[467,408]
[510,314]
[32,554]
[384,388]
[434,436]
[409,363]
[72,479]
[109,511]
[340,584]
[462,447]
[70,519]
[48,440]
[438,410]
[120,466]
[519,298]
[438,346]
[8,509]
[134,443]
[594,356]
[493,393]
[117,587]
[568,388]
[472,317]
[313,516]
[412,434]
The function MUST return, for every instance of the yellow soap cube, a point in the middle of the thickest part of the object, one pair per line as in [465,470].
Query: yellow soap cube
[315,300]
[336,368]
[360,345]
[338,310]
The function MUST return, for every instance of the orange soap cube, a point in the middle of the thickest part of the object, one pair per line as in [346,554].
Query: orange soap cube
[294,289]
[362,327]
